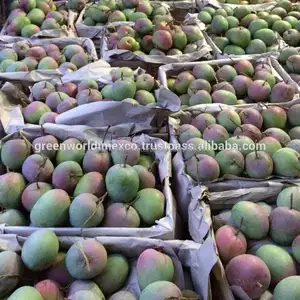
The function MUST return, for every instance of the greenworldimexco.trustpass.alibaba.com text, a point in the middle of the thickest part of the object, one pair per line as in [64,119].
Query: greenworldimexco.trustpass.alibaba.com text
[114,146]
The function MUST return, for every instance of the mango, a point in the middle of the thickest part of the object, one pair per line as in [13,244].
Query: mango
[51,210]
[284,197]
[86,259]
[49,290]
[146,178]
[14,153]
[279,262]
[116,271]
[66,176]
[58,271]
[84,295]
[13,217]
[92,183]
[230,242]
[70,150]
[11,188]
[122,183]
[122,296]
[125,152]
[150,205]
[10,271]
[86,211]
[250,273]
[154,266]
[85,285]
[284,225]
[37,168]
[33,192]
[40,249]
[161,290]
[251,219]
[287,289]
[121,215]
[25,293]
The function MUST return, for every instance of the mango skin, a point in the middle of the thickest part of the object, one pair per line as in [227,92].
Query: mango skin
[26,293]
[122,183]
[150,205]
[86,259]
[287,289]
[39,256]
[154,266]
[160,290]
[116,271]
[58,271]
[11,188]
[122,296]
[85,285]
[51,210]
[255,222]
[92,183]
[84,295]
[279,262]
[49,290]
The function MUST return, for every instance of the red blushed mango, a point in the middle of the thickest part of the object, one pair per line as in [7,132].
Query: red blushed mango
[92,183]
[34,111]
[66,105]
[250,273]
[48,117]
[37,168]
[37,52]
[230,242]
[49,290]
[154,266]
[46,145]
[96,161]
[66,176]
[33,192]
[14,153]
[41,90]
[121,215]
[68,88]
[162,39]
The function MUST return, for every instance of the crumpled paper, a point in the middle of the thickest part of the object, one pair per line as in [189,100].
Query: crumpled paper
[163,229]
[191,260]
[65,30]
[204,50]
[38,75]
[280,74]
